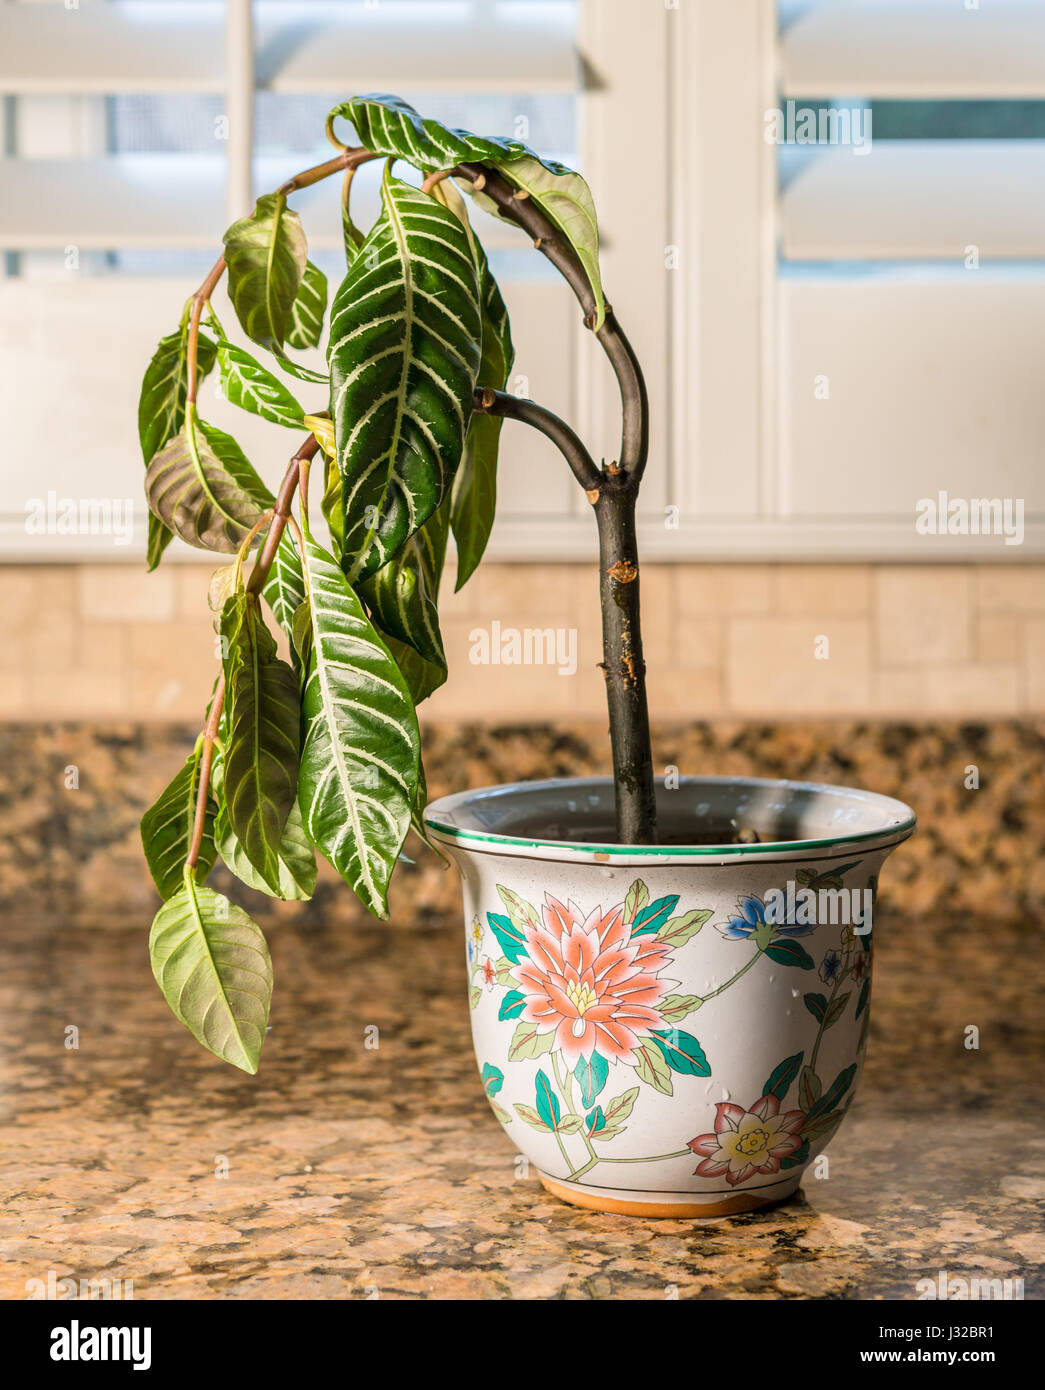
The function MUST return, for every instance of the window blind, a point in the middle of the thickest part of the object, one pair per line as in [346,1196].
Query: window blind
[939,82]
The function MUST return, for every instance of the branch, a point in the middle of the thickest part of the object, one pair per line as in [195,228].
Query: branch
[487,401]
[258,575]
[549,241]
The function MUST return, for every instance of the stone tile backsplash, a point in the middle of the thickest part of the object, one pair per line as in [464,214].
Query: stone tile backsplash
[748,640]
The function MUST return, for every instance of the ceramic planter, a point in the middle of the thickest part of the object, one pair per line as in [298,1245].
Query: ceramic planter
[675,1030]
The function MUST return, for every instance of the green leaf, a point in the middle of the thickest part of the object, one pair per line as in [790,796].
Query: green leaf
[530,1115]
[512,1005]
[653,1068]
[212,964]
[161,409]
[675,1007]
[809,1088]
[422,677]
[284,589]
[293,368]
[591,1077]
[492,1078]
[166,829]
[501,1113]
[389,126]
[308,309]
[474,995]
[787,952]
[816,1004]
[836,1009]
[834,1093]
[266,256]
[865,995]
[475,485]
[510,937]
[547,1101]
[816,1131]
[565,199]
[361,755]
[621,1106]
[795,1160]
[650,919]
[782,1077]
[403,595]
[252,387]
[404,353]
[635,900]
[679,930]
[682,1052]
[570,1125]
[527,1042]
[296,863]
[520,912]
[161,404]
[203,489]
[263,742]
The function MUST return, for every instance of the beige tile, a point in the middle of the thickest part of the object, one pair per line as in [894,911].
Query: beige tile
[37,619]
[772,667]
[125,593]
[14,702]
[677,693]
[80,694]
[1015,588]
[520,595]
[922,615]
[974,691]
[173,668]
[1034,656]
[999,638]
[696,644]
[191,583]
[844,590]
[103,647]
[719,590]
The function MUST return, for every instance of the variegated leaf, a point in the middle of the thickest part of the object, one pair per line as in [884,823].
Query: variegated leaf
[404,353]
[161,409]
[565,199]
[212,964]
[297,859]
[359,763]
[252,387]
[166,829]
[266,255]
[403,596]
[309,309]
[202,488]
[389,126]
[475,484]
[262,747]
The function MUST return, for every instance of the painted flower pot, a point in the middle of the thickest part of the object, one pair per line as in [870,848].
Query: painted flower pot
[673,1030]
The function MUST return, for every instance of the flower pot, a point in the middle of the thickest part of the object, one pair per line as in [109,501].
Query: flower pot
[672,1030]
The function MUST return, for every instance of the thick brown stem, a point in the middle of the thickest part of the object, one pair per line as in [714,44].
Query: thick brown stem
[487,401]
[258,575]
[613,493]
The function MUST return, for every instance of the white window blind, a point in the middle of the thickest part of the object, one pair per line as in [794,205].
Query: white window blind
[134,131]
[917,66]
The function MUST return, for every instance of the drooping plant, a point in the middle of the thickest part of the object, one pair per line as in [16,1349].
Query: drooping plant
[323,753]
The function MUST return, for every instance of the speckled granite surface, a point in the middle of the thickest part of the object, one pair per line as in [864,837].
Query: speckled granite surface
[353,1169]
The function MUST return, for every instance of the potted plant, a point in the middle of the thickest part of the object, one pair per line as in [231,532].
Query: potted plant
[601,914]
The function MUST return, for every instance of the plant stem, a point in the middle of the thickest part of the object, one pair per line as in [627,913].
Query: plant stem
[613,493]
[258,575]
[487,401]
[733,978]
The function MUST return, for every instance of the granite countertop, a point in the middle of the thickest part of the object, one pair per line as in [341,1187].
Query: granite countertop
[353,1169]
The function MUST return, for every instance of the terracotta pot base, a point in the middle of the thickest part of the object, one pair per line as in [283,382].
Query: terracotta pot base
[652,1203]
